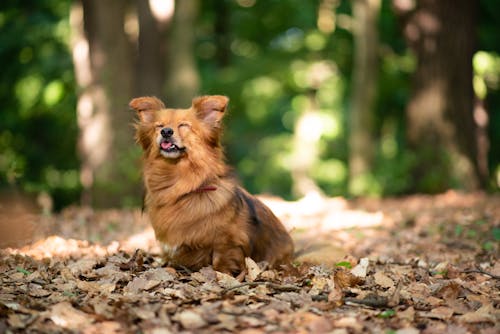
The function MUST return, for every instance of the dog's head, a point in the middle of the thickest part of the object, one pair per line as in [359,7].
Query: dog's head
[175,133]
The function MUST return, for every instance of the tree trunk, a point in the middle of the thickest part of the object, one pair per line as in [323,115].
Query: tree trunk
[361,138]
[182,75]
[104,72]
[152,46]
[441,129]
[221,26]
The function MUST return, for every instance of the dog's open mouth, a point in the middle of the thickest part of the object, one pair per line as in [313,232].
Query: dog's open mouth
[169,147]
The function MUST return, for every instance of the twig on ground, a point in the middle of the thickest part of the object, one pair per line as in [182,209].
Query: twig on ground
[279,287]
[371,300]
[480,271]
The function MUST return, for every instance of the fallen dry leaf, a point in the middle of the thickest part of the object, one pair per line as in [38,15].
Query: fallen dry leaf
[415,267]
[81,266]
[441,312]
[65,315]
[361,268]
[253,269]
[190,320]
[486,313]
[383,280]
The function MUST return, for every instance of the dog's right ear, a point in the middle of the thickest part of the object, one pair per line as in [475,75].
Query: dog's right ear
[145,107]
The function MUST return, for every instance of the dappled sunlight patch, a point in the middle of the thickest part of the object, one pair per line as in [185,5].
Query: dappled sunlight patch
[78,232]
[56,246]
[145,239]
[318,214]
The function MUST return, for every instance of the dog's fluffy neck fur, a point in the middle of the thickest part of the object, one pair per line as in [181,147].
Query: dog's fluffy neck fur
[168,179]
[174,183]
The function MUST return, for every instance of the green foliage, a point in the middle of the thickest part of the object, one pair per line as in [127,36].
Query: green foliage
[23,271]
[280,63]
[38,130]
[274,63]
[387,314]
[344,264]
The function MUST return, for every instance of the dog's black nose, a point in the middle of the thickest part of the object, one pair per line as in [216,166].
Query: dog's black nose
[166,132]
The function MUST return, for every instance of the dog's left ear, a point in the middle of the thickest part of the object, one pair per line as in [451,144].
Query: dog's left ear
[145,107]
[211,108]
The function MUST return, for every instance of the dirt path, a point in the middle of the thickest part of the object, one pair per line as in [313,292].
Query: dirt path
[426,264]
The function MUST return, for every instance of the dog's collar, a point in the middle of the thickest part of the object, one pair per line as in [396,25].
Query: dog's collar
[203,189]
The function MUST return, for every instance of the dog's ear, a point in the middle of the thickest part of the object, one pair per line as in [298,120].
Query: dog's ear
[210,108]
[145,107]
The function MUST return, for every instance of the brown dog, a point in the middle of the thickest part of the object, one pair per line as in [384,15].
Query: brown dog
[198,212]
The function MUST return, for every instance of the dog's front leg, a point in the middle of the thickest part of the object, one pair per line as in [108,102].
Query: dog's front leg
[229,259]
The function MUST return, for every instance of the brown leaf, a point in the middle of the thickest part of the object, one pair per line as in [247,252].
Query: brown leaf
[344,279]
[227,281]
[174,293]
[104,327]
[247,321]
[395,297]
[65,315]
[67,275]
[268,275]
[361,268]
[434,315]
[433,301]
[313,322]
[262,290]
[348,322]
[111,271]
[35,290]
[442,312]
[144,313]
[82,266]
[335,297]
[408,314]
[106,287]
[139,284]
[227,322]
[320,284]
[101,307]
[16,320]
[88,286]
[449,291]
[190,319]
[383,280]
[158,274]
[135,263]
[252,268]
[209,273]
[452,272]
[486,313]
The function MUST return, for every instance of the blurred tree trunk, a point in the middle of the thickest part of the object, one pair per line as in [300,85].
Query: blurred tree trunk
[221,26]
[104,71]
[361,137]
[441,129]
[182,74]
[152,45]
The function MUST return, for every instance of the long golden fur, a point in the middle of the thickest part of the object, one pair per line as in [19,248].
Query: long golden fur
[198,212]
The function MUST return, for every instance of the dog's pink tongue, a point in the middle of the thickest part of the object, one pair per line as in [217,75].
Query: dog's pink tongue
[165,145]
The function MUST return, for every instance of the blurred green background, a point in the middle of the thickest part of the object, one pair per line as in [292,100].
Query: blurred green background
[297,74]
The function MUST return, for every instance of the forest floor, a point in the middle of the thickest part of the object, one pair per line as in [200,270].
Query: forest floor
[418,264]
